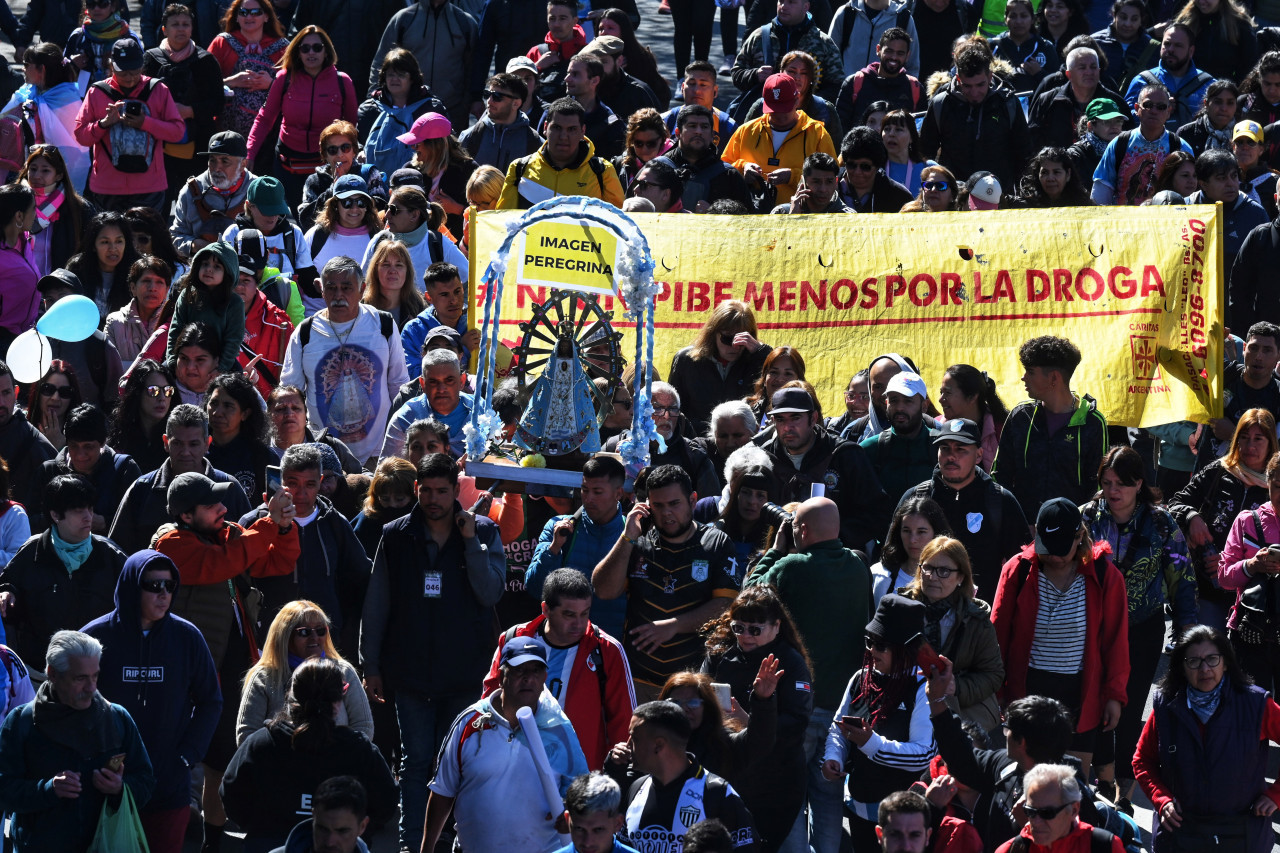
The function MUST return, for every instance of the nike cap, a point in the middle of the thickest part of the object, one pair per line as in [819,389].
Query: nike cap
[1057,524]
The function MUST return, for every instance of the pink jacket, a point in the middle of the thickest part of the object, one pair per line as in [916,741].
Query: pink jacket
[19,301]
[310,105]
[165,124]
[1242,543]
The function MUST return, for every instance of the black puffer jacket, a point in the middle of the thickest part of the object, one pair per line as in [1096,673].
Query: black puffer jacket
[965,138]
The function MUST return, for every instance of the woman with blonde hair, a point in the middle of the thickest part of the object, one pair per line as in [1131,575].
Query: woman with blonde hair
[723,363]
[392,493]
[647,137]
[308,94]
[446,167]
[957,624]
[388,284]
[299,632]
[484,187]
[938,191]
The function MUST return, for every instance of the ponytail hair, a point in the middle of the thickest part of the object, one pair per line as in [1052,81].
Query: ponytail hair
[976,383]
[316,686]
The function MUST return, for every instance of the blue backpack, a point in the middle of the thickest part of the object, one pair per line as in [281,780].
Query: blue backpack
[381,148]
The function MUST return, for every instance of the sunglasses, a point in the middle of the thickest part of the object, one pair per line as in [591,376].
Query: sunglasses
[496,97]
[48,389]
[1151,105]
[349,203]
[394,209]
[877,645]
[750,630]
[726,338]
[99,4]
[304,631]
[310,47]
[250,13]
[692,704]
[940,186]
[344,148]
[939,572]
[861,166]
[645,143]
[170,586]
[157,390]
[1046,812]
[644,185]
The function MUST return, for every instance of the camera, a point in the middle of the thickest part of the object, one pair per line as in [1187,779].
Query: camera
[776,515]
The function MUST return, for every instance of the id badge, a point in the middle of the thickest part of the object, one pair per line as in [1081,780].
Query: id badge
[431,584]
[774,161]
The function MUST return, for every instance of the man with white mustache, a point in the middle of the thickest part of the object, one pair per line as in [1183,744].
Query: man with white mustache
[348,362]
[209,202]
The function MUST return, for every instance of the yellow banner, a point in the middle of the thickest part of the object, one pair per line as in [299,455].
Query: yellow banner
[1139,290]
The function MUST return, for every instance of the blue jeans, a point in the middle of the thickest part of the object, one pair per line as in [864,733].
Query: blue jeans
[826,799]
[424,724]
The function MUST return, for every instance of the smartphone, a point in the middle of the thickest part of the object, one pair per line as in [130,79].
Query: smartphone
[646,523]
[275,480]
[927,658]
[723,695]
[855,722]
[116,763]
[133,108]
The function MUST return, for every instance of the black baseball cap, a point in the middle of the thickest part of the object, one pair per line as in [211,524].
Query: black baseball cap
[228,143]
[787,400]
[126,54]
[1057,524]
[59,279]
[961,430]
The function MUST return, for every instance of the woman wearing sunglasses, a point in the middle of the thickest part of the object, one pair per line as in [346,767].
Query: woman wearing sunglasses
[884,706]
[647,137]
[176,714]
[300,631]
[938,191]
[723,363]
[758,627]
[89,47]
[49,400]
[308,94]
[346,221]
[339,149]
[248,50]
[958,625]
[445,165]
[1202,756]
[137,428]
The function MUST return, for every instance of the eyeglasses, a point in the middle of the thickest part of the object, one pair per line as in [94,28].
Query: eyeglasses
[1211,661]
[939,186]
[344,148]
[250,13]
[874,644]
[750,630]
[622,404]
[939,572]
[311,47]
[669,411]
[644,185]
[861,166]
[349,203]
[157,390]
[692,704]
[304,631]
[170,586]
[1155,106]
[496,97]
[99,4]
[645,143]
[48,389]
[1045,813]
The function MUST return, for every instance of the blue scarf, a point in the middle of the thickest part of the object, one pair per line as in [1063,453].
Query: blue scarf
[72,556]
[1203,704]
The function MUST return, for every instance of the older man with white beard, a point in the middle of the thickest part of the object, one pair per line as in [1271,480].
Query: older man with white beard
[209,202]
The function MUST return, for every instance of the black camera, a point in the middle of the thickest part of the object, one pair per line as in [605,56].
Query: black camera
[776,515]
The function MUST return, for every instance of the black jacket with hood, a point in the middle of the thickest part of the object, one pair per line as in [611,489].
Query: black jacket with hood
[163,677]
[966,138]
[114,473]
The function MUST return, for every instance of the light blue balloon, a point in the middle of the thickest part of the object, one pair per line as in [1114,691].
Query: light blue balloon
[72,318]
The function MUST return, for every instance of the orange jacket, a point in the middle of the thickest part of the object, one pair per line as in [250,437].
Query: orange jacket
[753,143]
[261,549]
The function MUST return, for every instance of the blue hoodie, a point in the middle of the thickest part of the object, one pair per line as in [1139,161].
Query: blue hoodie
[165,679]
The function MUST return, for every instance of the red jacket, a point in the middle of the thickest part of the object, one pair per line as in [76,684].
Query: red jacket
[1078,840]
[598,728]
[1105,671]
[266,329]
[306,105]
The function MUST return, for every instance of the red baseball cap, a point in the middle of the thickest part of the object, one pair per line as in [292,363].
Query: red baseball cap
[780,93]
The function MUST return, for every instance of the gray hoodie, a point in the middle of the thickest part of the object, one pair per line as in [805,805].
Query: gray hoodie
[498,144]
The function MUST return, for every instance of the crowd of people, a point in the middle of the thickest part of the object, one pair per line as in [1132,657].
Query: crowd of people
[246,578]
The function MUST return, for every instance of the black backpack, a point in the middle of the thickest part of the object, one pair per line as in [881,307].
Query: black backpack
[597,168]
[304,328]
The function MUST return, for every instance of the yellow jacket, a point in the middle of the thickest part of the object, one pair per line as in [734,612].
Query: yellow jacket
[753,143]
[581,177]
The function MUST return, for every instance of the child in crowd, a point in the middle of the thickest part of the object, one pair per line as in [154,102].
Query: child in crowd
[207,296]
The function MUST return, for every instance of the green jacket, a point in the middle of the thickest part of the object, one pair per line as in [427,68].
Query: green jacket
[227,322]
[827,587]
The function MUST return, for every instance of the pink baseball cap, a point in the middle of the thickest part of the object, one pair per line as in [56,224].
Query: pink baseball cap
[428,126]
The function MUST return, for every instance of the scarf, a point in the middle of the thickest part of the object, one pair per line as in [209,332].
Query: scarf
[88,732]
[177,56]
[47,204]
[412,238]
[934,613]
[72,556]
[295,661]
[1203,703]
[344,231]
[1220,138]
[1247,475]
[109,31]
[1097,145]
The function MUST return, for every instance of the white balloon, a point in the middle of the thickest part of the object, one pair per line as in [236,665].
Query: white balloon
[29,357]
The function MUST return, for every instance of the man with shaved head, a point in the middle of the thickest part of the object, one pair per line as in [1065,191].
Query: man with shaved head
[827,587]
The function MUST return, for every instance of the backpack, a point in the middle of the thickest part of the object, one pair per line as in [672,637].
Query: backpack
[1012,106]
[903,18]
[1099,842]
[860,77]
[597,167]
[1182,111]
[304,328]
[741,105]
[1259,604]
[131,149]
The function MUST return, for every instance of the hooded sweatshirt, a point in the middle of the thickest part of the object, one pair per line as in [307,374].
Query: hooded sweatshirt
[227,320]
[498,144]
[164,678]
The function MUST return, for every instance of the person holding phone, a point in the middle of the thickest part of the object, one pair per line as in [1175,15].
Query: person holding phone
[882,736]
